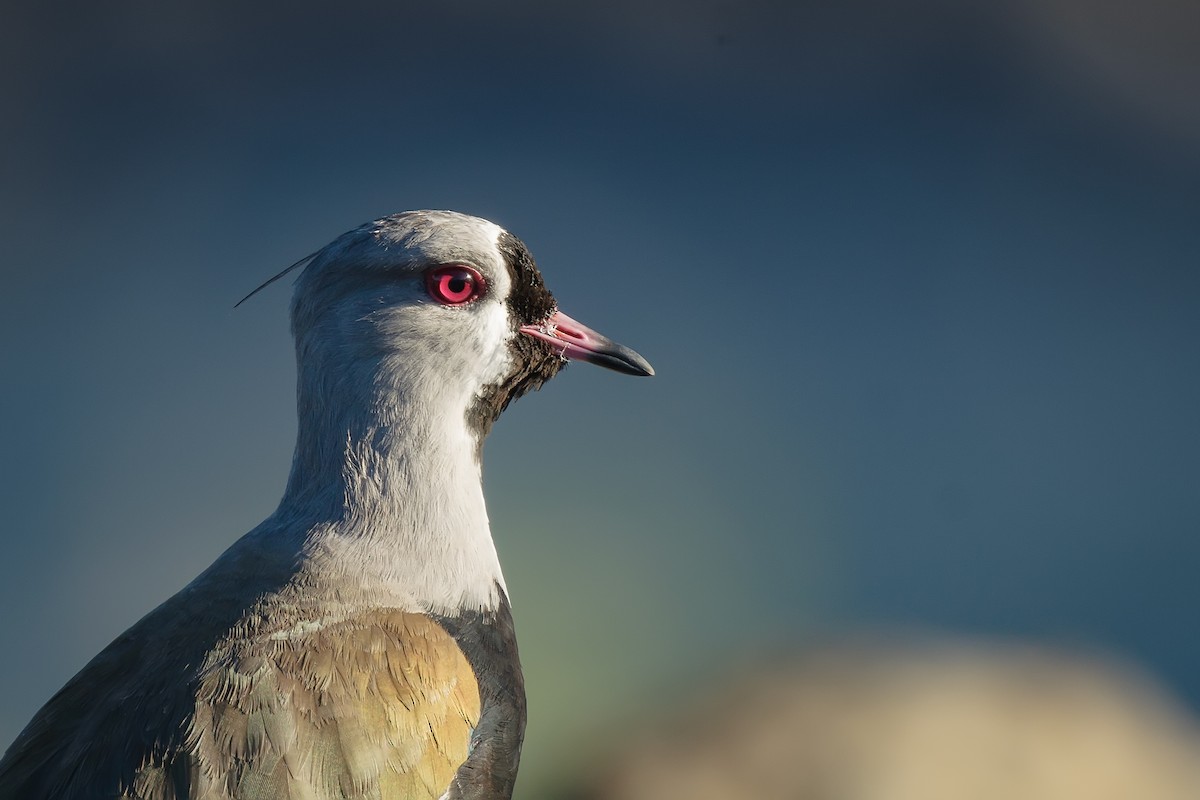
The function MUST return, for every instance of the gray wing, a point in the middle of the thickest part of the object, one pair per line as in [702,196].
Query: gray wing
[127,708]
[205,699]
[123,718]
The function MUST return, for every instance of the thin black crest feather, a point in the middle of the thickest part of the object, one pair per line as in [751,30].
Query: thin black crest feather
[274,278]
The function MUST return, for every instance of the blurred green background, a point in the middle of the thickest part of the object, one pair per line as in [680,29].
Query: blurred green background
[921,281]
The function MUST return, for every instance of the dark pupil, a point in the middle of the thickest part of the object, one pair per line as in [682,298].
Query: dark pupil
[458,285]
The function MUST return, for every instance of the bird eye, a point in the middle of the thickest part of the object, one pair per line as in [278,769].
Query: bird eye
[454,284]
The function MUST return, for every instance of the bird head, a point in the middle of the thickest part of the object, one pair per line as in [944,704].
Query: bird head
[436,309]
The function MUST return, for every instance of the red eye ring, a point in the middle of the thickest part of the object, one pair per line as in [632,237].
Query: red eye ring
[454,284]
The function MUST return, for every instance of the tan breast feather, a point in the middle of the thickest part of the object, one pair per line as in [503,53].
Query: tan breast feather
[378,706]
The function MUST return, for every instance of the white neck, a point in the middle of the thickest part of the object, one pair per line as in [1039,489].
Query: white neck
[386,494]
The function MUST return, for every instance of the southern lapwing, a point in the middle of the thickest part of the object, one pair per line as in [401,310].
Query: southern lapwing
[358,643]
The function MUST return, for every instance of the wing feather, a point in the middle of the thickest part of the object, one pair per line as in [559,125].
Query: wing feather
[381,704]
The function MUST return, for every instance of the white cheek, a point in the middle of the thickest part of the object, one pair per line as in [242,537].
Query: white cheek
[492,332]
[444,355]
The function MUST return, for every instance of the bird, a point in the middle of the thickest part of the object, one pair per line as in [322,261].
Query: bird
[359,642]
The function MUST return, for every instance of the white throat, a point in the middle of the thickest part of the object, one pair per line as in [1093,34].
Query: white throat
[385,499]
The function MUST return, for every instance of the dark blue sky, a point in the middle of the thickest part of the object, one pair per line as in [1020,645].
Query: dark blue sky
[920,281]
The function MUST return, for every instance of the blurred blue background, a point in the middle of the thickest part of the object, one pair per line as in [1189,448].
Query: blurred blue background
[920,281]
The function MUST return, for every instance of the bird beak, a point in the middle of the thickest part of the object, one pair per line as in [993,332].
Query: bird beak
[578,342]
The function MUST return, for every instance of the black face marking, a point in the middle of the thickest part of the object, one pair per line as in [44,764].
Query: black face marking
[489,642]
[534,361]
[530,302]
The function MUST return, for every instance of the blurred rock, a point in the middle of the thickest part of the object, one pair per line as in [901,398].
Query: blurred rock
[941,722]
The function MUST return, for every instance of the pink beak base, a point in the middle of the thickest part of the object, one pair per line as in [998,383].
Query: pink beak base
[578,342]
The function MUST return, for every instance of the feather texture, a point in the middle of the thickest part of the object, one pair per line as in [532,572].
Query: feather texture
[284,705]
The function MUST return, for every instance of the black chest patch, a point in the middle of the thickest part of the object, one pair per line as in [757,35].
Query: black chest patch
[489,642]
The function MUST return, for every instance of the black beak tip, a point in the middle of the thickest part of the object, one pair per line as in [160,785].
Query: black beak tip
[624,360]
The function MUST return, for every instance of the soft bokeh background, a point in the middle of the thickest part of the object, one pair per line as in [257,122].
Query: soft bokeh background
[921,281]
